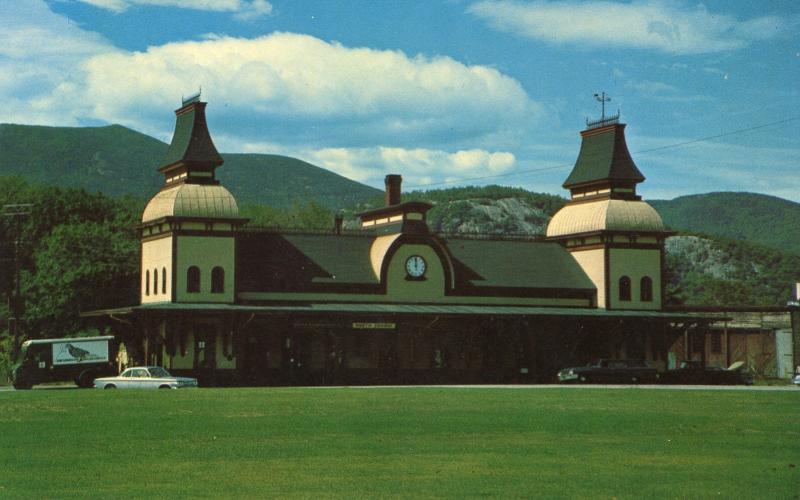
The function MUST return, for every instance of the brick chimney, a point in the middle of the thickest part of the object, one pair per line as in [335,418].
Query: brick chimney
[393,182]
[338,221]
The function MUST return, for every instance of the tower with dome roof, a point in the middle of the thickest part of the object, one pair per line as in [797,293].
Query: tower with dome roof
[188,228]
[617,238]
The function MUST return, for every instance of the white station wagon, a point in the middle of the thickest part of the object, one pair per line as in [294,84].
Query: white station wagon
[145,377]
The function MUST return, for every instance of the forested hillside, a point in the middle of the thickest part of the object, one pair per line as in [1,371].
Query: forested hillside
[115,160]
[757,218]
[709,271]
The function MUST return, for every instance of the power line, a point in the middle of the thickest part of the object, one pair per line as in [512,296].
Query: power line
[644,151]
[724,134]
[568,165]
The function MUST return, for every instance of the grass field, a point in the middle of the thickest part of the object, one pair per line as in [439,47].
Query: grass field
[400,442]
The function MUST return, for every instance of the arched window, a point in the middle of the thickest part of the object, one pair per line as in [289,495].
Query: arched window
[646,289]
[625,288]
[164,280]
[217,280]
[193,280]
[147,282]
[155,281]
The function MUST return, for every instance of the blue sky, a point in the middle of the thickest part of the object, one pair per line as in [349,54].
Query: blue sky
[445,93]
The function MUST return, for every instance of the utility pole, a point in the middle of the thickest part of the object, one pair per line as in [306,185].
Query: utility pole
[17,213]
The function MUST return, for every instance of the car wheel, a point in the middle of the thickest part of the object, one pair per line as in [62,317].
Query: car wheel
[165,387]
[110,386]
[635,379]
[584,379]
[86,379]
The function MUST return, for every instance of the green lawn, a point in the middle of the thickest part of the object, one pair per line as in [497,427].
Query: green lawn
[400,442]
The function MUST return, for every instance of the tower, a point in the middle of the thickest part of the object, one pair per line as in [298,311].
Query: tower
[617,238]
[188,228]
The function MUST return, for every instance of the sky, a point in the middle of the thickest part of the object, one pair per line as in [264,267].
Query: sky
[443,92]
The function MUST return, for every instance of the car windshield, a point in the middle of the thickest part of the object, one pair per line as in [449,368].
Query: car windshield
[158,372]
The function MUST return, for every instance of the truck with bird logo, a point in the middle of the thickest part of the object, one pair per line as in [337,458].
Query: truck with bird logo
[53,360]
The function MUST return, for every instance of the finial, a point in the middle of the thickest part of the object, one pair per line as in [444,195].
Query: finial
[192,98]
[602,98]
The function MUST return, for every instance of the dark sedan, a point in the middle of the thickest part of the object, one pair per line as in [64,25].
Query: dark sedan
[610,371]
[693,372]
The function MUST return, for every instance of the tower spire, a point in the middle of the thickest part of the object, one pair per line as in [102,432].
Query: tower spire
[604,166]
[192,156]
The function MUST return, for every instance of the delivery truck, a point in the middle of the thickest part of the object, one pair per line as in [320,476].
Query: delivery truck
[60,360]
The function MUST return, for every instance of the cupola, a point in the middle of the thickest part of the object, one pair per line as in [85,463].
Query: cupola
[604,167]
[192,156]
[191,190]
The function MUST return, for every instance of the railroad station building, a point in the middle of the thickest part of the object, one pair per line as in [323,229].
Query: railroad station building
[394,303]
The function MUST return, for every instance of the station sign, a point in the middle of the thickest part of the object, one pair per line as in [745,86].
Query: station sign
[374,326]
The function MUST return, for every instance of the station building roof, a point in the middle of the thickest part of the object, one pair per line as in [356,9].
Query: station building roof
[273,261]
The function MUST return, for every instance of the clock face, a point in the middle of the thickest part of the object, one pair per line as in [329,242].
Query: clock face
[415,266]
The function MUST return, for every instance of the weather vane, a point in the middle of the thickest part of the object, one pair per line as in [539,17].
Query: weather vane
[603,99]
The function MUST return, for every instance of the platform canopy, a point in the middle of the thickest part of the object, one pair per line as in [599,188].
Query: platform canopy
[404,309]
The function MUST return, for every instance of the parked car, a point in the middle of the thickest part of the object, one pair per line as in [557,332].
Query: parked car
[693,372]
[796,379]
[612,371]
[145,377]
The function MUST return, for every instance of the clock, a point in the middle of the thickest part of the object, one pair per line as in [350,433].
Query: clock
[416,266]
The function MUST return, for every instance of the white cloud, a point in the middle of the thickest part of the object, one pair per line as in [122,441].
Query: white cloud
[304,82]
[358,111]
[418,166]
[651,88]
[242,9]
[40,51]
[650,24]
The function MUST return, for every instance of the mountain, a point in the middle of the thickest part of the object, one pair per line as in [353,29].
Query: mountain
[756,218]
[711,271]
[115,160]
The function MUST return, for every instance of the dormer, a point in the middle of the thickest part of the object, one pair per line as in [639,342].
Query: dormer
[396,217]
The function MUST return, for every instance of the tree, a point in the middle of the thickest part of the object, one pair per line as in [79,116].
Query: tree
[79,267]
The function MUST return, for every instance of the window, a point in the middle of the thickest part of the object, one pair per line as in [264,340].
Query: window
[164,280]
[193,280]
[646,290]
[217,280]
[147,282]
[155,281]
[625,288]
[716,342]
[698,342]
